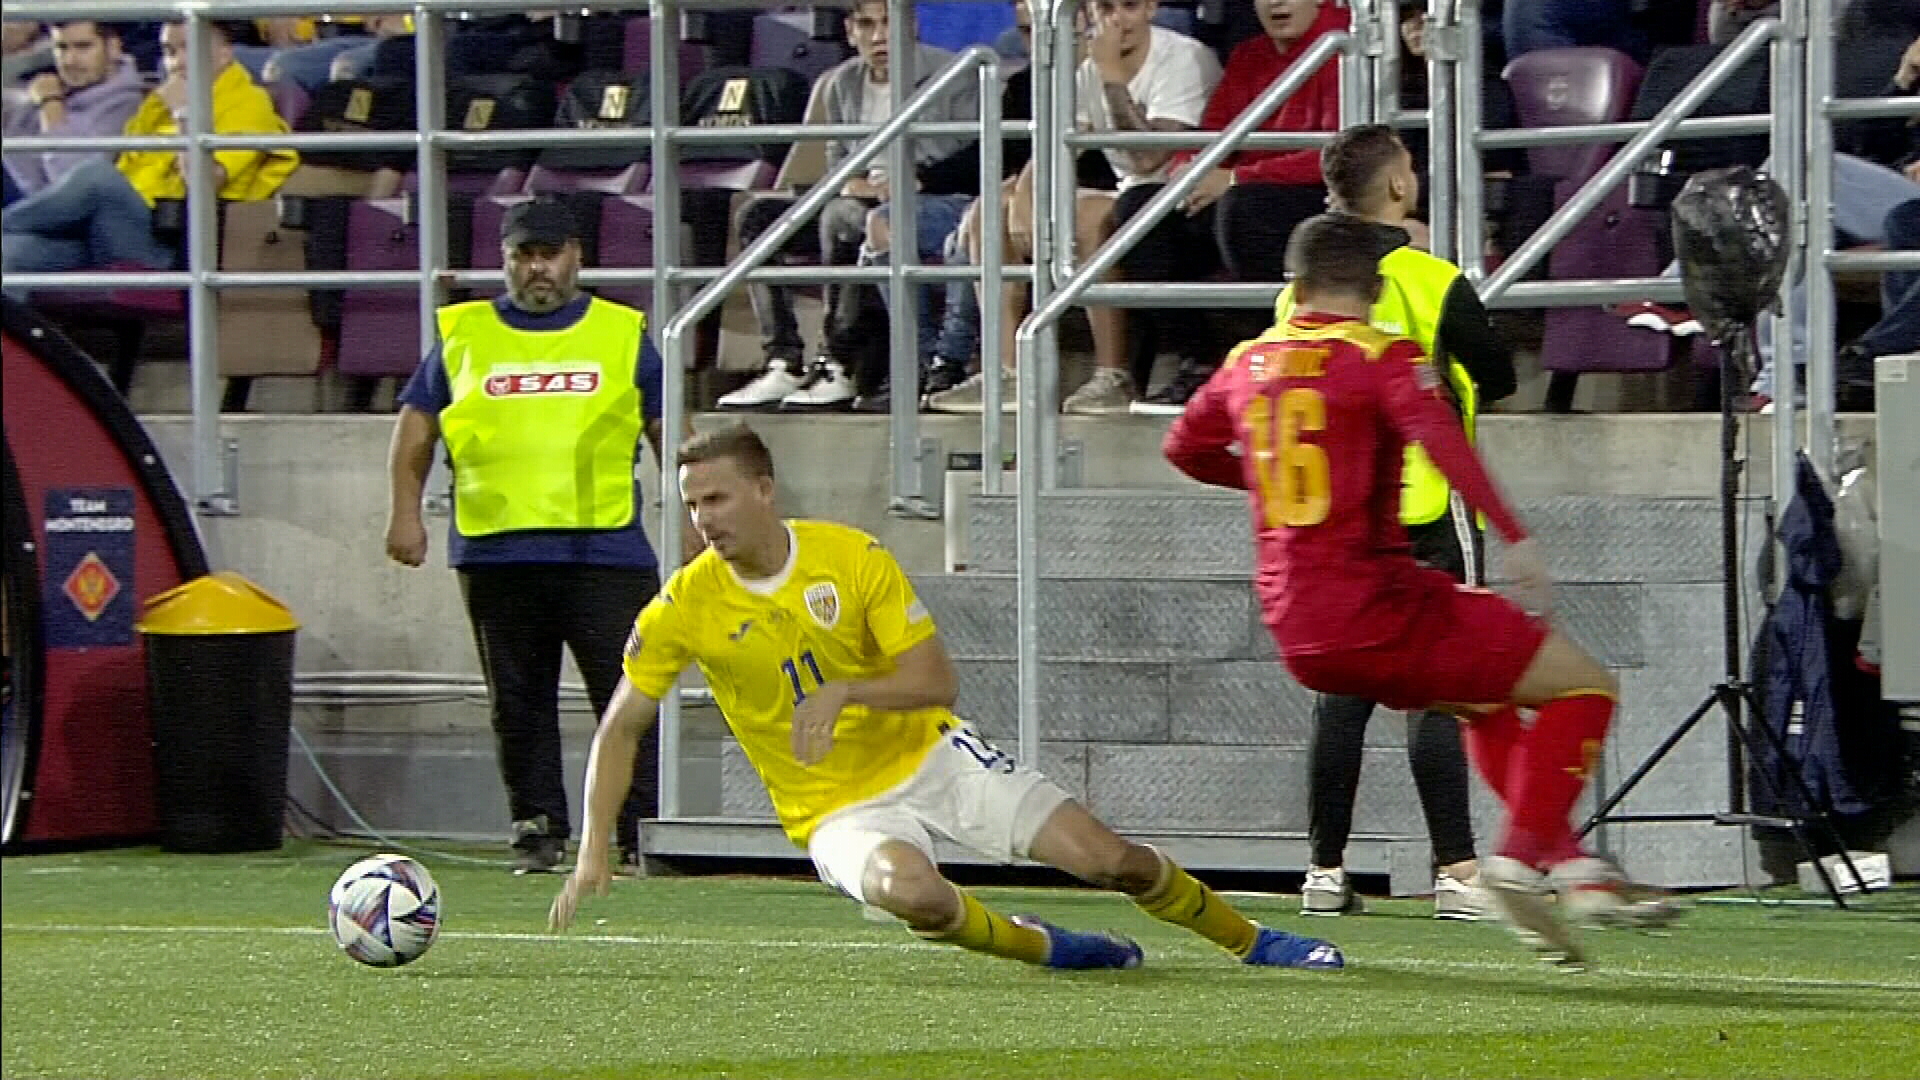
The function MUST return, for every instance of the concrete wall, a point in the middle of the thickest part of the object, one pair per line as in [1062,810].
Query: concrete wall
[310,529]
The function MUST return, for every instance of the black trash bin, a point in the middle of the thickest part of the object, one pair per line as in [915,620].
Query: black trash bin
[220,682]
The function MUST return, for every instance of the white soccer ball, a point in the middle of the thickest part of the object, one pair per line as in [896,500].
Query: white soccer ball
[384,911]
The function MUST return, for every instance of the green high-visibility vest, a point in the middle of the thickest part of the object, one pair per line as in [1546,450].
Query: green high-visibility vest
[544,425]
[1412,297]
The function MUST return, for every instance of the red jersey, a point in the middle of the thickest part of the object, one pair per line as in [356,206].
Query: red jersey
[1321,408]
[1252,67]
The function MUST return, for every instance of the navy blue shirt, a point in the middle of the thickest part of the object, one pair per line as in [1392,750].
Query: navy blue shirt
[429,391]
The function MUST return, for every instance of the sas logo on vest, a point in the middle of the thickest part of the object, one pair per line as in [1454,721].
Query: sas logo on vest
[543,382]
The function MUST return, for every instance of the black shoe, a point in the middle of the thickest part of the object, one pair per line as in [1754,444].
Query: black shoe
[1853,379]
[942,374]
[1171,399]
[876,401]
[536,850]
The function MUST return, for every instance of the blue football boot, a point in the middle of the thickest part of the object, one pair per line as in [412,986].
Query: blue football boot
[1072,950]
[1277,948]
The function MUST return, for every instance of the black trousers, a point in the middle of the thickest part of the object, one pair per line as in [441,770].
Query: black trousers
[523,615]
[1245,233]
[1435,750]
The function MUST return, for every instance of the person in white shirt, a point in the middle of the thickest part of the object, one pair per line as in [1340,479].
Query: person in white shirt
[1134,76]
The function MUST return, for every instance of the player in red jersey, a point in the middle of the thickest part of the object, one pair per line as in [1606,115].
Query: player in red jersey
[1321,408]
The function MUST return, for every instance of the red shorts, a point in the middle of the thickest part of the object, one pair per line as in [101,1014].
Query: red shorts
[1455,645]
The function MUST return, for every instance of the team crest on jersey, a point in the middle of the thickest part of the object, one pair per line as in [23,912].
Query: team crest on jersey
[823,603]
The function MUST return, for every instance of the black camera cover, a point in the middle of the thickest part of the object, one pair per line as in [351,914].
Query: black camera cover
[1731,231]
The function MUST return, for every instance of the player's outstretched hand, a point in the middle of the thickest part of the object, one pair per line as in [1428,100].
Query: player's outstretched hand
[813,722]
[1532,585]
[589,878]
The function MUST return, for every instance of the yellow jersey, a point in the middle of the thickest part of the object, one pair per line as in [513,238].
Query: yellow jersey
[842,609]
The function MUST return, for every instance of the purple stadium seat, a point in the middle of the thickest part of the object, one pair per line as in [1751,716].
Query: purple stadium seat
[626,240]
[290,100]
[639,50]
[380,328]
[785,39]
[728,175]
[1558,87]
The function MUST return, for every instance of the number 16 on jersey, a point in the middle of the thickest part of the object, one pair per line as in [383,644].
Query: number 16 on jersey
[1296,483]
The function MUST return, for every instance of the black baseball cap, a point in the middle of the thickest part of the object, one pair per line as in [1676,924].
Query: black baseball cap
[541,221]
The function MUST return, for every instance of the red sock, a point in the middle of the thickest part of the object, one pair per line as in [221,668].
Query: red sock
[1491,738]
[1548,771]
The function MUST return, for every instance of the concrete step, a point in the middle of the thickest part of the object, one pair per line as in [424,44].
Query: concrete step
[1194,621]
[1202,534]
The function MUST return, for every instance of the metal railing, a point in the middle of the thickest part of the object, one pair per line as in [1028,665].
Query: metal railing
[1799,123]
[1036,410]
[677,347]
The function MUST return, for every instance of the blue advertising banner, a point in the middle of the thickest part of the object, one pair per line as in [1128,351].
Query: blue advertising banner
[89,552]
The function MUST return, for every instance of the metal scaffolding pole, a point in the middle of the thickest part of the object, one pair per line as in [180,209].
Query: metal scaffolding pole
[1819,325]
[663,85]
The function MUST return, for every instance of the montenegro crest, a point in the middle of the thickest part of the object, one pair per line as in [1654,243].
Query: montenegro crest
[823,603]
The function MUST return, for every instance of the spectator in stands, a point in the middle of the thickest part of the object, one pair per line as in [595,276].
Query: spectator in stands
[101,213]
[1370,175]
[308,60]
[93,90]
[1727,18]
[546,533]
[856,92]
[357,62]
[1561,24]
[1133,76]
[1870,208]
[1241,214]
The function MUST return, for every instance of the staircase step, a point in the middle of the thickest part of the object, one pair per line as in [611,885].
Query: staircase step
[1187,620]
[1118,533]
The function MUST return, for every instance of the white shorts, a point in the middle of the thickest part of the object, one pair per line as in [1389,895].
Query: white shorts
[965,790]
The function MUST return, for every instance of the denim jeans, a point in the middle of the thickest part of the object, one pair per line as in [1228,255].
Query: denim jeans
[310,66]
[938,217]
[1898,330]
[1864,196]
[959,338]
[91,217]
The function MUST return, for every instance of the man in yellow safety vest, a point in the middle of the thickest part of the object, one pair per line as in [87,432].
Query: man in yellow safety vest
[541,397]
[1370,175]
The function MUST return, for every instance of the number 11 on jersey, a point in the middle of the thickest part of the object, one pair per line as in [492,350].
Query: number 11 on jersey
[793,668]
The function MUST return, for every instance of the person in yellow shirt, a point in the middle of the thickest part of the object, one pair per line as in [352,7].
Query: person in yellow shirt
[832,677]
[101,213]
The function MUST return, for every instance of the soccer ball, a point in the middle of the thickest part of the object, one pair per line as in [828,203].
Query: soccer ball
[384,911]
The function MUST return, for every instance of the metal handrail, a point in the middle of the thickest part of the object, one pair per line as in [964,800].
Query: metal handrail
[676,345]
[1034,412]
[1659,129]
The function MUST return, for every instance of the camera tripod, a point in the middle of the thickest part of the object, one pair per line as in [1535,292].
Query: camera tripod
[1747,729]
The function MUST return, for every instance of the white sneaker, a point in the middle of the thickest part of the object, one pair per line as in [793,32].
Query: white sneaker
[1455,899]
[827,386]
[767,389]
[1595,892]
[1107,391]
[1523,899]
[1328,892]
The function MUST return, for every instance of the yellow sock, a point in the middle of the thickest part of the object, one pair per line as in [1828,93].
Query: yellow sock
[1183,901]
[983,930]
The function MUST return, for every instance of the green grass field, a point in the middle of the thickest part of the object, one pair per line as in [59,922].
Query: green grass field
[139,964]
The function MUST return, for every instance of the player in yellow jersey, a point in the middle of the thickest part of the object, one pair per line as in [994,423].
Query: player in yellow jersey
[831,675]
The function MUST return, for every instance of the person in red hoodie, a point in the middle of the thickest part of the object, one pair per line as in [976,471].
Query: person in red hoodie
[1241,214]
